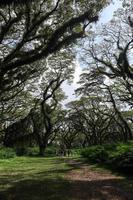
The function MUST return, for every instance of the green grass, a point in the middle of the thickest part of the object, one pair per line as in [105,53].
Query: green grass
[33,178]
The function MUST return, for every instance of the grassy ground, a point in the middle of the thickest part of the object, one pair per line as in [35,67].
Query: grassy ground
[33,178]
[24,178]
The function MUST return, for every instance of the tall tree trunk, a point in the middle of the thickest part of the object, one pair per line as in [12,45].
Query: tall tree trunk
[128,131]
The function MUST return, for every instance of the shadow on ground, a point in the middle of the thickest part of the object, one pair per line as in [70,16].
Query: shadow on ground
[50,189]
[40,186]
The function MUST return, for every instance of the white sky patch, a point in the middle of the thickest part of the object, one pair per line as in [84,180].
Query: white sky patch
[108,12]
[105,17]
[69,92]
[69,88]
[108,81]
[77,74]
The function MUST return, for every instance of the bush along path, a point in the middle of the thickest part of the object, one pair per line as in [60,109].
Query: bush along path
[118,156]
[55,178]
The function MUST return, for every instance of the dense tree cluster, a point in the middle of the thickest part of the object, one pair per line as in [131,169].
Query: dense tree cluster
[34,31]
[37,56]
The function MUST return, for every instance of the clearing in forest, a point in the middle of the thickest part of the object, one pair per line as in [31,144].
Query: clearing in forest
[25,178]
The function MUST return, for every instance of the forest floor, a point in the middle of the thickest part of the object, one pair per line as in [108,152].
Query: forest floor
[94,183]
[25,178]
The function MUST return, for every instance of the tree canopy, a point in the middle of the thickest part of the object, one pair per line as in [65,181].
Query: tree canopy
[38,54]
[33,31]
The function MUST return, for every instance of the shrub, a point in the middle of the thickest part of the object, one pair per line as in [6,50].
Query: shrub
[123,160]
[6,153]
[118,156]
[76,151]
[32,151]
[95,154]
[50,151]
[21,150]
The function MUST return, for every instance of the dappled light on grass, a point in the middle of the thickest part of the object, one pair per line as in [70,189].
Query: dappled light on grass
[58,179]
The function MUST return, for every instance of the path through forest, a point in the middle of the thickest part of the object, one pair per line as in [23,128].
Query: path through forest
[98,184]
[55,178]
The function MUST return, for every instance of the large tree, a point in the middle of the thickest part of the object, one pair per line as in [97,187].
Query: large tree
[110,49]
[108,54]
[104,108]
[33,31]
[45,98]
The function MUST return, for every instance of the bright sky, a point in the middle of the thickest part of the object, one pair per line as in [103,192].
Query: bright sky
[107,13]
[105,16]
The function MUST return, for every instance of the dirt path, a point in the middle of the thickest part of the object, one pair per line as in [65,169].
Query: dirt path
[90,184]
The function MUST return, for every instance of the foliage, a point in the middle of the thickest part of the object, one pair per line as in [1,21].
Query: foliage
[46,97]
[21,150]
[76,152]
[50,151]
[122,157]
[32,36]
[35,30]
[6,153]
[15,2]
[107,56]
[34,151]
[95,154]
[119,156]
[93,120]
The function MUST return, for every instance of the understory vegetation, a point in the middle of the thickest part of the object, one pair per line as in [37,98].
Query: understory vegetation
[118,156]
[6,153]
